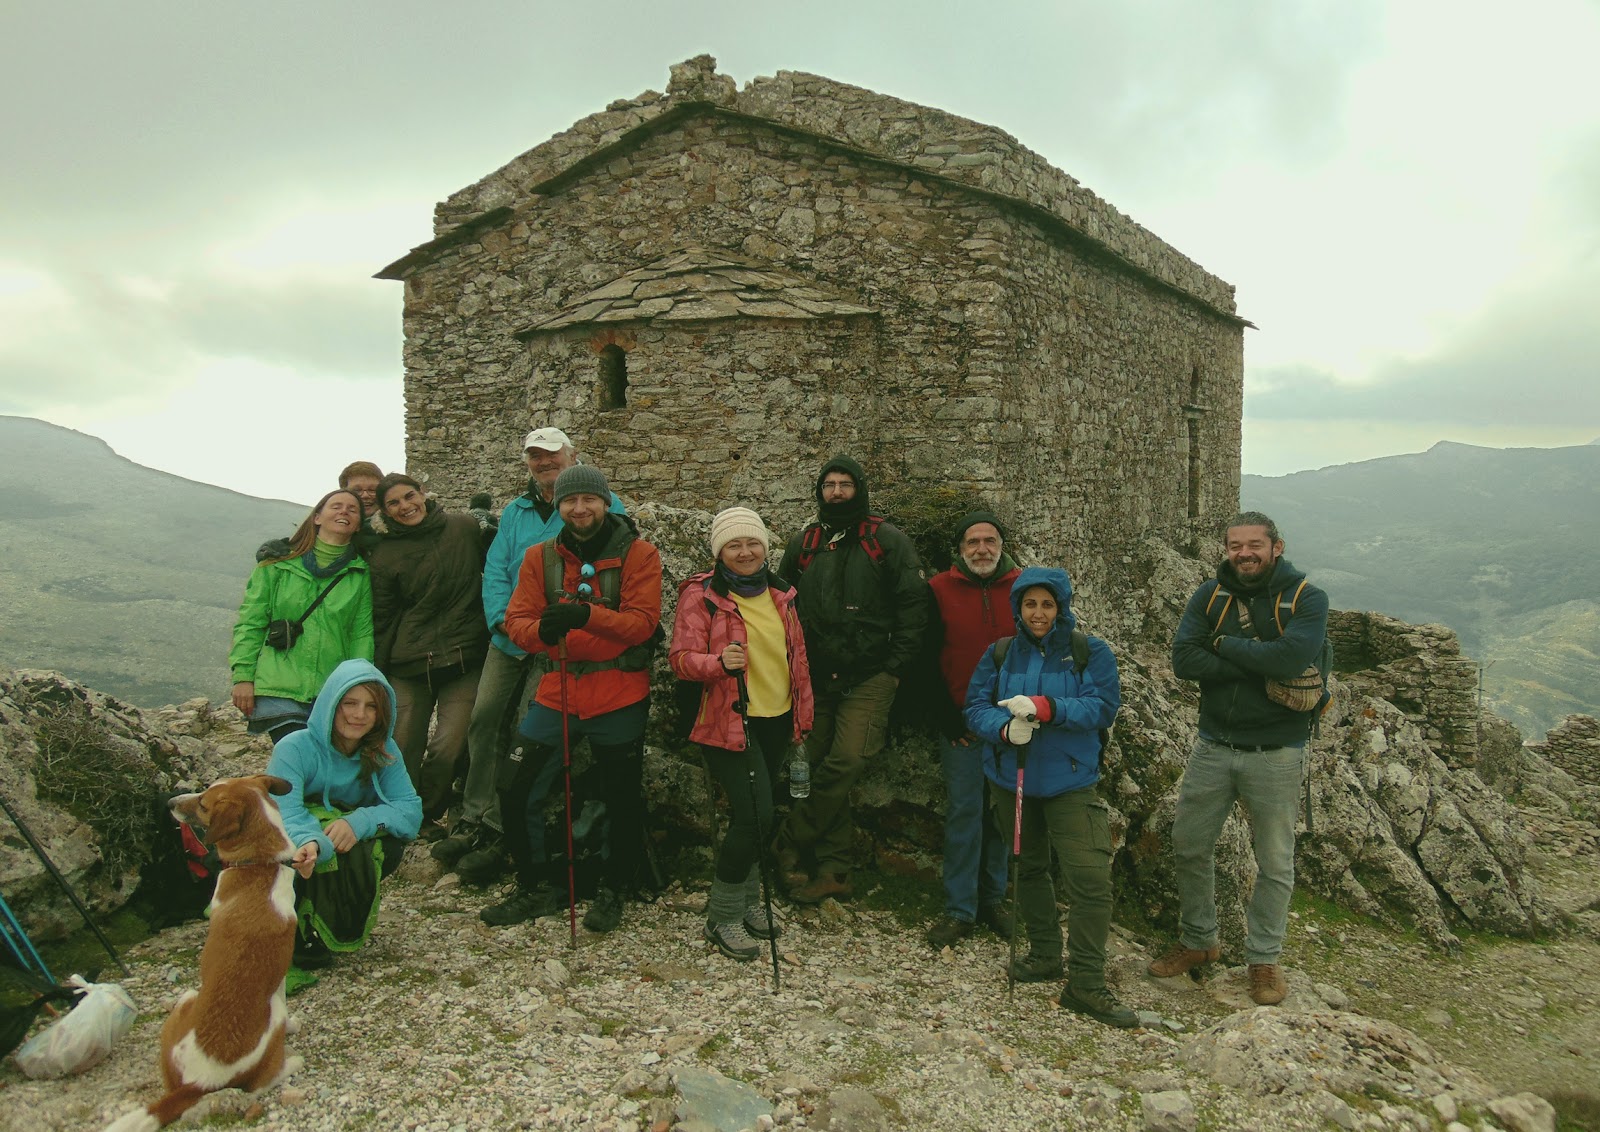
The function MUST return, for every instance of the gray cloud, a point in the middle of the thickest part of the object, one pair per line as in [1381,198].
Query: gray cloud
[107,342]
[1529,361]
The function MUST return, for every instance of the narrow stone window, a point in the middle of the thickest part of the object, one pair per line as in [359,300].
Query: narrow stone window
[613,378]
[1192,413]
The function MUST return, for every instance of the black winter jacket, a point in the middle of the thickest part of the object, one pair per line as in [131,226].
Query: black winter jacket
[427,594]
[1233,667]
[860,617]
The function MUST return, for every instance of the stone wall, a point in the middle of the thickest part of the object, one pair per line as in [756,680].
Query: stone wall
[1004,353]
[1419,669]
[1574,746]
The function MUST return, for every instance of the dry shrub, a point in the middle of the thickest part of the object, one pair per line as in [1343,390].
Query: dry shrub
[100,779]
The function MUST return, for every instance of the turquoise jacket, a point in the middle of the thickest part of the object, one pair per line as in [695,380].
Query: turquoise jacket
[521,527]
[320,773]
[338,629]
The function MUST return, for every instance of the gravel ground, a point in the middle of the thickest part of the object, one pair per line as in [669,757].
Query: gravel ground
[445,1024]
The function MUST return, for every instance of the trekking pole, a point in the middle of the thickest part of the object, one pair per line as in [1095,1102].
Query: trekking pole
[1016,862]
[20,945]
[742,707]
[566,767]
[50,866]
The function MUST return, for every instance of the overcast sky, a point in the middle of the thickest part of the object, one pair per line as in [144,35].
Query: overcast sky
[195,195]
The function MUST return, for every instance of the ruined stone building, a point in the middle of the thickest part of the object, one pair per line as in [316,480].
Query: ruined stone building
[715,289]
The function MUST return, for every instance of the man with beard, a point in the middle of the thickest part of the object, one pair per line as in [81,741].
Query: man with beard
[473,848]
[1258,621]
[973,602]
[863,606]
[605,632]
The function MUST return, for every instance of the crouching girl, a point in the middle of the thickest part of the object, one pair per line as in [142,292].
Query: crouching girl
[1050,697]
[349,813]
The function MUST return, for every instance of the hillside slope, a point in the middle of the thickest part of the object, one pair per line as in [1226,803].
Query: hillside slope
[121,576]
[1501,545]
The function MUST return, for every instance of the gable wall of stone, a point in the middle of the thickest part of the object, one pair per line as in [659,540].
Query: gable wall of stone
[1003,359]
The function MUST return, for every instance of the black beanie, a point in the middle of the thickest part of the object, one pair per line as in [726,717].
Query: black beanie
[972,519]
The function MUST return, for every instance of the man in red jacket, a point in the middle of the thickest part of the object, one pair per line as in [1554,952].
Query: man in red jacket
[973,599]
[607,630]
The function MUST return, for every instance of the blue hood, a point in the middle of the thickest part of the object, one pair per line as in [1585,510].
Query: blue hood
[1056,581]
[340,681]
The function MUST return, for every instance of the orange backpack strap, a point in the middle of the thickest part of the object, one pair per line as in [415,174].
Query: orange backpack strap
[1293,604]
[1216,588]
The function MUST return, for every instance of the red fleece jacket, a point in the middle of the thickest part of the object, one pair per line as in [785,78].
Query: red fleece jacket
[975,615]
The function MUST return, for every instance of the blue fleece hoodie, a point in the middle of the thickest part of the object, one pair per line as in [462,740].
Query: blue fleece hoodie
[1065,753]
[320,773]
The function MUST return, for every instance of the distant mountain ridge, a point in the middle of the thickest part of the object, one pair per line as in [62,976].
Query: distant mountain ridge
[1501,545]
[123,577]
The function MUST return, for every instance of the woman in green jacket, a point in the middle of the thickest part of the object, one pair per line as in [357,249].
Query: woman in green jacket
[303,615]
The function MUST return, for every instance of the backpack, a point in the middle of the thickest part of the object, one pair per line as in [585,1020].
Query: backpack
[1282,608]
[1080,661]
[866,534]
[687,694]
[608,585]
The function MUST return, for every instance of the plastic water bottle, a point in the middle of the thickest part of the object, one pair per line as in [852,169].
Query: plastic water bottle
[799,776]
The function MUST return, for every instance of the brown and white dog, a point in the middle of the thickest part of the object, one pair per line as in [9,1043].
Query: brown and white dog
[230,1032]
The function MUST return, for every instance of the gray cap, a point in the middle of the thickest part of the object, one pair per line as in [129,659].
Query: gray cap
[581,479]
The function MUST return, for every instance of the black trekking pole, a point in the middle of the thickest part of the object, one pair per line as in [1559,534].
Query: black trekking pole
[50,866]
[742,707]
[1016,862]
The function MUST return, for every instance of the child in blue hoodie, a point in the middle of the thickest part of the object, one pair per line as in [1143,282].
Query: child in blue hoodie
[350,810]
[1038,700]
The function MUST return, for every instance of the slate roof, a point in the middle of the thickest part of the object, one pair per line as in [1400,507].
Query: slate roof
[695,284]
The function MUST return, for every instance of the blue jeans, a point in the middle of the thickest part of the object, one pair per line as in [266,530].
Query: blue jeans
[1268,783]
[974,851]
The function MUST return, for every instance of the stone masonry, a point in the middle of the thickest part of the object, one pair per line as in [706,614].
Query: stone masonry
[715,289]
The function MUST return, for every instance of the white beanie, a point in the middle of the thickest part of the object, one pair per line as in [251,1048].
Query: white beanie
[737,522]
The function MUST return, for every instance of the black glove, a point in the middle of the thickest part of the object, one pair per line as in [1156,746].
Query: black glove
[559,620]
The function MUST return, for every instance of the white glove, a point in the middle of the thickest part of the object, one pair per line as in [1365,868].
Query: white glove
[1019,731]
[1020,707]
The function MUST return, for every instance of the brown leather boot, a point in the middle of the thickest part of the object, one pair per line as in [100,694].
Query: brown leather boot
[836,885]
[1181,960]
[1267,984]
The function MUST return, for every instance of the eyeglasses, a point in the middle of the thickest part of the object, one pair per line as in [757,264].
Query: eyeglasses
[838,485]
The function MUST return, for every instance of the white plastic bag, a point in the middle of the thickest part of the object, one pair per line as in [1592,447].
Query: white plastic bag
[84,1037]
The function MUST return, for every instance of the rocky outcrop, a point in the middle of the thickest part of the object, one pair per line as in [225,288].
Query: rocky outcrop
[87,775]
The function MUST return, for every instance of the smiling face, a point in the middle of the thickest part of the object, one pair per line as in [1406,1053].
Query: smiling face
[583,513]
[744,556]
[405,504]
[1038,608]
[545,466]
[366,489]
[1251,551]
[980,548]
[338,519]
[356,714]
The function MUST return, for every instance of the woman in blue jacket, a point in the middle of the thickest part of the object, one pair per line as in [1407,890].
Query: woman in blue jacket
[350,810]
[1051,704]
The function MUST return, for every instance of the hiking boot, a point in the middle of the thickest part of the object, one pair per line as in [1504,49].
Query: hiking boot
[836,885]
[733,941]
[1181,960]
[484,864]
[997,918]
[466,837]
[759,924]
[1100,1004]
[1267,984]
[310,953]
[605,912]
[522,905]
[947,931]
[1033,968]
